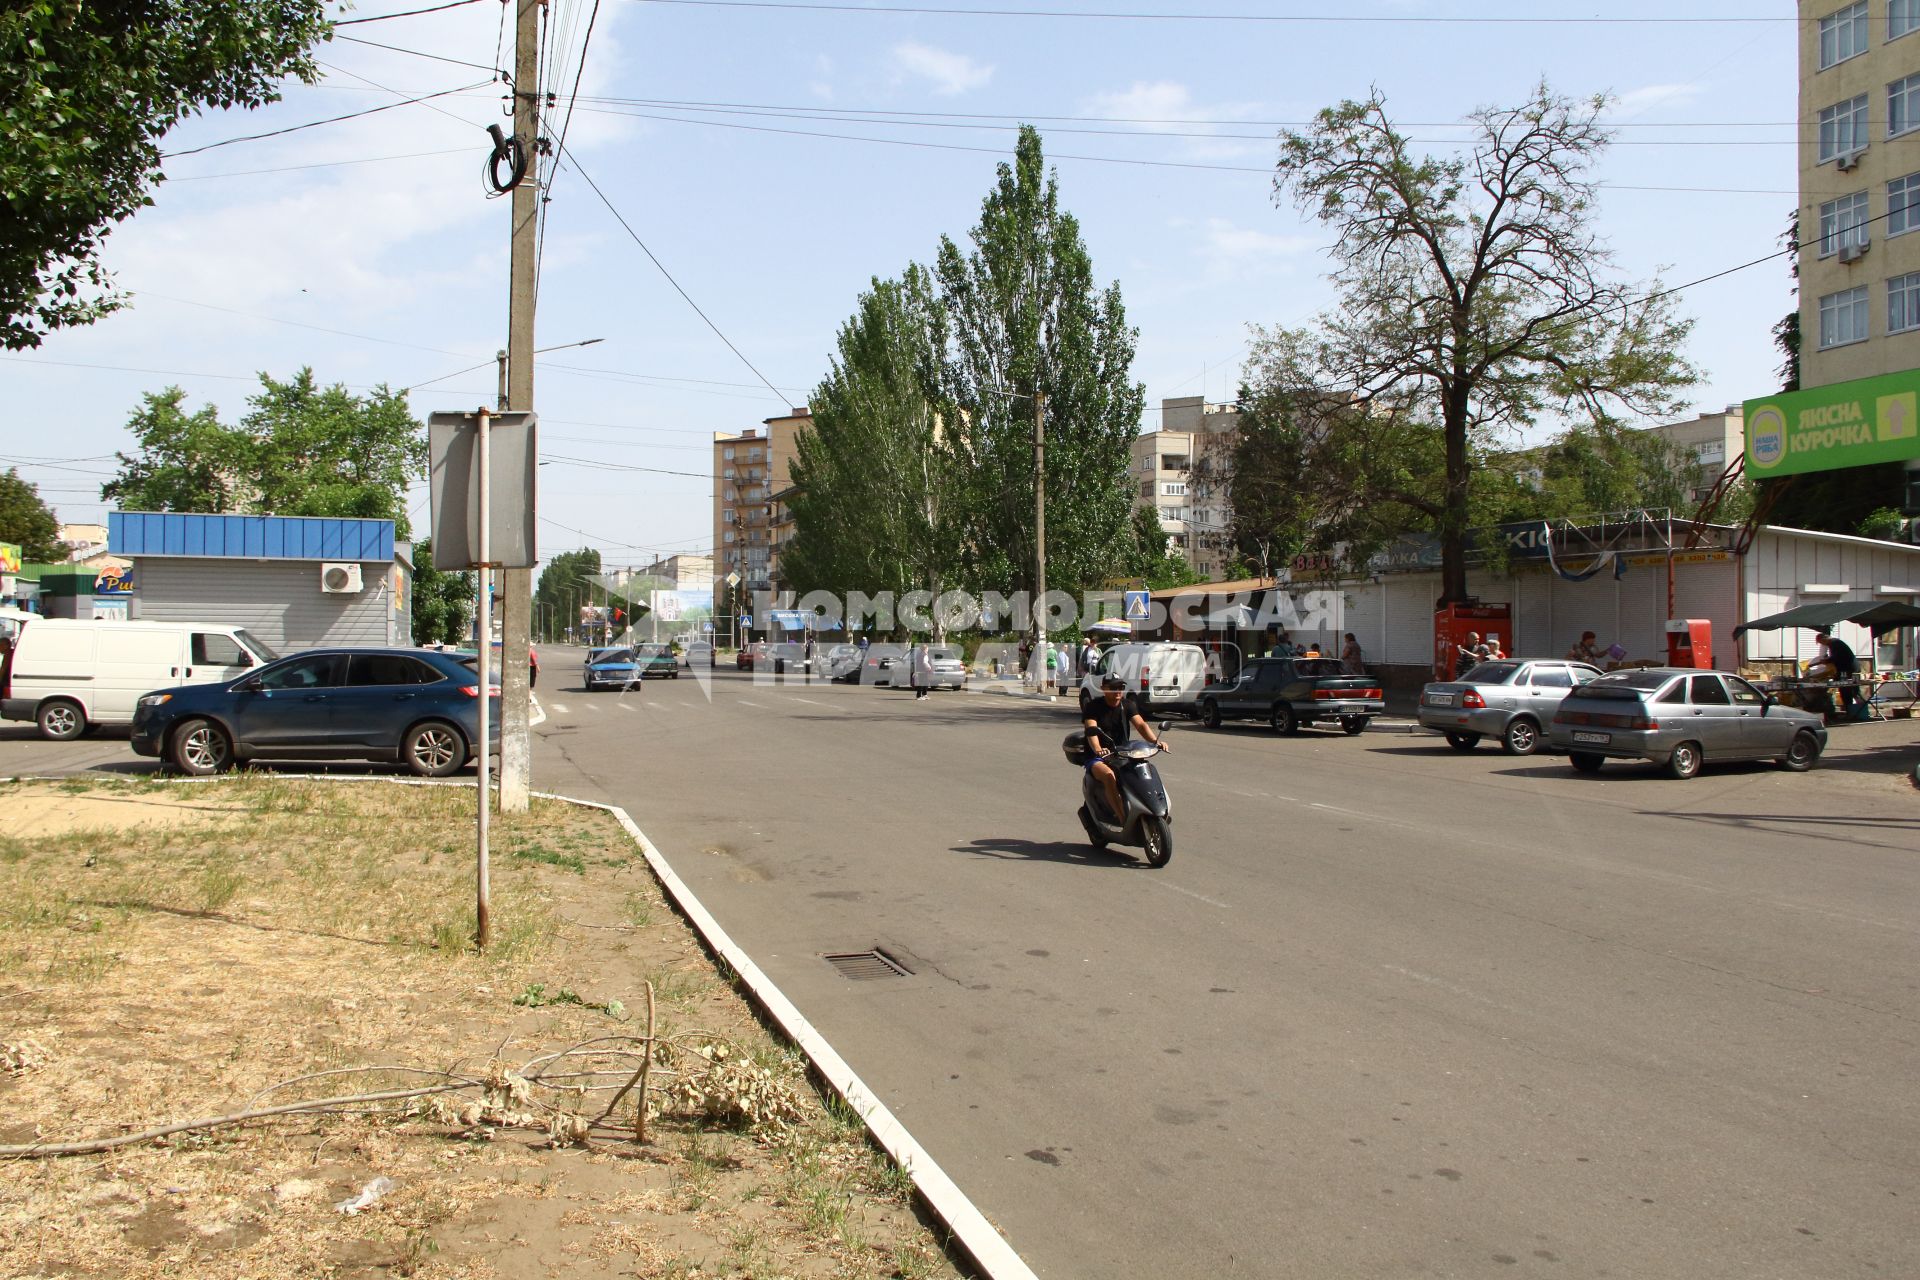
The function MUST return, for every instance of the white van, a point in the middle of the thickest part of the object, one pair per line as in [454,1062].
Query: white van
[69,676]
[1162,675]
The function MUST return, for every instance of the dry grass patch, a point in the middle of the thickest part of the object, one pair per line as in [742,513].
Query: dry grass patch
[271,929]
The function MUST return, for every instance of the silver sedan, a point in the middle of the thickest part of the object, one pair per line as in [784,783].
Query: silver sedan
[1682,719]
[1508,700]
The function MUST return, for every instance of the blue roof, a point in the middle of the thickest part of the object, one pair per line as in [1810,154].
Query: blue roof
[150,533]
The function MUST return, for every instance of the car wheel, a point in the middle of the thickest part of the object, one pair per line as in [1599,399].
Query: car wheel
[1522,737]
[1285,719]
[1462,741]
[201,747]
[1586,761]
[1801,753]
[1210,713]
[61,719]
[1685,761]
[434,749]
[1352,725]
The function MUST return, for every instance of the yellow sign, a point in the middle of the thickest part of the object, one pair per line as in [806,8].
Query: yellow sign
[1681,557]
[9,558]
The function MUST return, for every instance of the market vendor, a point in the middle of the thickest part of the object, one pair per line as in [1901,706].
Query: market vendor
[1838,663]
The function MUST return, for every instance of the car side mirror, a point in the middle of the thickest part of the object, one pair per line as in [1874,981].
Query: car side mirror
[251,684]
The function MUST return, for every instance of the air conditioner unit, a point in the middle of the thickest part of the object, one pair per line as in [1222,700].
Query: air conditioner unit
[1853,251]
[1847,160]
[340,579]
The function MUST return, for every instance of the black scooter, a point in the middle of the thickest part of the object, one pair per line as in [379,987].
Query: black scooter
[1147,823]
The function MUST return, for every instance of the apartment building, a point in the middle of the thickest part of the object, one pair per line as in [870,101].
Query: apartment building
[1211,430]
[1713,440]
[685,572]
[748,469]
[1160,467]
[1859,189]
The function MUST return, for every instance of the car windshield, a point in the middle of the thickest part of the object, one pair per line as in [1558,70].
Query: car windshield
[944,651]
[614,655]
[1491,673]
[652,651]
[260,649]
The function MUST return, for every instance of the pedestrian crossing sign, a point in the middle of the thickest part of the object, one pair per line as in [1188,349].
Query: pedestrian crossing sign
[1136,606]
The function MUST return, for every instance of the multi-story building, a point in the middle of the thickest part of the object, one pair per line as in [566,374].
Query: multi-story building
[1161,463]
[748,469]
[1200,495]
[685,572]
[1714,440]
[1859,189]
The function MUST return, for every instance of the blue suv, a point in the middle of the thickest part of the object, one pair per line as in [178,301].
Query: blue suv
[414,706]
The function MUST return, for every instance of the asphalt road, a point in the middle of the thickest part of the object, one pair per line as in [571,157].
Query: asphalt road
[1390,1011]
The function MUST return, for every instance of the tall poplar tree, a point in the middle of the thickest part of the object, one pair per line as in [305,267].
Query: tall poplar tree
[1027,319]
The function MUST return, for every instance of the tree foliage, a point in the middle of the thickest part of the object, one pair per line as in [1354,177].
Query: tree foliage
[86,93]
[1474,300]
[442,600]
[560,591]
[300,450]
[27,521]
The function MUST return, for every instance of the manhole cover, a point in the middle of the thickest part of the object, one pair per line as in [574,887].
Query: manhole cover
[864,966]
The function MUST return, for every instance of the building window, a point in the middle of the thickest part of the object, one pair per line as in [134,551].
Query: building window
[729,535]
[729,473]
[1903,106]
[1903,202]
[1843,128]
[1711,453]
[1173,490]
[1843,317]
[1843,34]
[1174,462]
[753,455]
[1843,222]
[1902,16]
[1903,303]
[729,454]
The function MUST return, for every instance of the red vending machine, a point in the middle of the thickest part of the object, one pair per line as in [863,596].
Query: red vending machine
[1452,623]
[1690,643]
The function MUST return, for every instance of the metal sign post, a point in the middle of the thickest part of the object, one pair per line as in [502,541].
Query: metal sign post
[483,646]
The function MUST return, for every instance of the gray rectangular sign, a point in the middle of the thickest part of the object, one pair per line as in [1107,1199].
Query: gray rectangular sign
[453,451]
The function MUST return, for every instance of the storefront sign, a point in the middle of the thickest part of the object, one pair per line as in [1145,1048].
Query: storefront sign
[113,581]
[1847,424]
[9,557]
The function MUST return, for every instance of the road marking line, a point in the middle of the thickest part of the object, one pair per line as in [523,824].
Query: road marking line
[1212,902]
[593,706]
[656,706]
[810,702]
[745,703]
[625,705]
[559,709]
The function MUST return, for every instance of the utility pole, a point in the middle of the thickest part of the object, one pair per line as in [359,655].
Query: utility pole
[1040,533]
[516,698]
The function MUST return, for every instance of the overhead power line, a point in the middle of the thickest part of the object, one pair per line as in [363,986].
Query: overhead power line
[1302,19]
[314,124]
[417,53]
[319,164]
[405,13]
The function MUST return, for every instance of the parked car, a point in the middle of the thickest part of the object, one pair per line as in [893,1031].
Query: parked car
[533,661]
[1682,719]
[624,667]
[415,706]
[69,675]
[1161,675]
[1290,692]
[749,655]
[698,653]
[785,655]
[882,663]
[842,662]
[1510,701]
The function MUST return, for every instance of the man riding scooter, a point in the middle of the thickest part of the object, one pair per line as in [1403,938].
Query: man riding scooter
[1108,722]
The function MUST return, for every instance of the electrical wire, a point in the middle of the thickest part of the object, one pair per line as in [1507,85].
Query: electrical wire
[417,53]
[314,124]
[560,149]
[802,6]
[322,164]
[408,13]
[298,324]
[661,267]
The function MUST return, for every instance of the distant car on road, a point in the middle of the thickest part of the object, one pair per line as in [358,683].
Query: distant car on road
[1290,692]
[749,655]
[785,655]
[621,668]
[1508,700]
[892,666]
[842,662]
[415,706]
[1682,719]
[698,653]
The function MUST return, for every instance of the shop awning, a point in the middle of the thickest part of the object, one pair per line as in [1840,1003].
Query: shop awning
[1875,615]
[1109,627]
[1239,615]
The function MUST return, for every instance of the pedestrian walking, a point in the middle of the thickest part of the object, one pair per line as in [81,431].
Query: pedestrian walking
[922,671]
[1350,659]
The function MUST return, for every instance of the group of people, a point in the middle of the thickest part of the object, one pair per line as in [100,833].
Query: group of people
[1056,665]
[1352,661]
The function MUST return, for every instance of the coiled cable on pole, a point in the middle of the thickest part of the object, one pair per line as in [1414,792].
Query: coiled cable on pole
[508,150]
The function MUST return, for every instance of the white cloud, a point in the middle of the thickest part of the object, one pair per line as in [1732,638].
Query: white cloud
[1227,252]
[949,73]
[1653,97]
[1168,107]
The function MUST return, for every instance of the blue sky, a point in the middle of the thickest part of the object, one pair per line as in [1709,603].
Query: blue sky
[394,270]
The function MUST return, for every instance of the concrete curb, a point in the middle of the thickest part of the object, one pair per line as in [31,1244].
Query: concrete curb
[981,1240]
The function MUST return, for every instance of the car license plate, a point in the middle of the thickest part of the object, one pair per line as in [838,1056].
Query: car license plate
[1592,737]
[1439,699]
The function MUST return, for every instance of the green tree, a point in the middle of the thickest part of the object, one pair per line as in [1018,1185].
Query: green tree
[27,521]
[1474,295]
[1786,334]
[1603,467]
[442,600]
[873,471]
[86,93]
[327,452]
[1027,321]
[560,592]
[185,461]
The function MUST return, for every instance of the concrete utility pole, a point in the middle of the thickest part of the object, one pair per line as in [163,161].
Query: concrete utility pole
[1040,532]
[516,698]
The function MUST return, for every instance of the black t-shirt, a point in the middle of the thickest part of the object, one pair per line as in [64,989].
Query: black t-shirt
[1841,653]
[1112,723]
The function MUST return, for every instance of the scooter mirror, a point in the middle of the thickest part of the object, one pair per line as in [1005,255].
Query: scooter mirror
[1165,725]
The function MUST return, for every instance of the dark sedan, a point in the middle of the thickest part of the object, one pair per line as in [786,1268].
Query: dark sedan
[415,706]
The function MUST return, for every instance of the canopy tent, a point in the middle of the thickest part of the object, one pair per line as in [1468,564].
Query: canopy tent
[1109,627]
[1875,615]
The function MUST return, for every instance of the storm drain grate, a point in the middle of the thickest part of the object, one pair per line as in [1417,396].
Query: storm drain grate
[864,966]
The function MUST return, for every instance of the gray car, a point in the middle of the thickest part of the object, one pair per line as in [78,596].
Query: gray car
[1508,700]
[1682,719]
